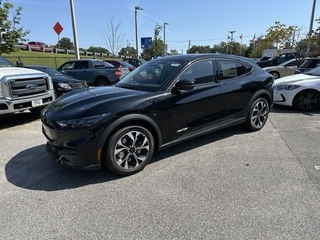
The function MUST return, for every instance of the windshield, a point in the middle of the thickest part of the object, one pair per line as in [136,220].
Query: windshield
[314,72]
[5,63]
[50,71]
[151,76]
[126,64]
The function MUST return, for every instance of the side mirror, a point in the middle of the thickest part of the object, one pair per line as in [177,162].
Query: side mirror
[184,84]
[19,64]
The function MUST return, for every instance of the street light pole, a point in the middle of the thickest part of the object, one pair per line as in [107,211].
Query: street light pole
[136,26]
[164,39]
[74,27]
[311,26]
[231,32]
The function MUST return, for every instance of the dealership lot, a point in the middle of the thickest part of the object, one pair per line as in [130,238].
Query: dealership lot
[230,184]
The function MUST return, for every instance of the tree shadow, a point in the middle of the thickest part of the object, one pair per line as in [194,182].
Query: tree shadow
[33,168]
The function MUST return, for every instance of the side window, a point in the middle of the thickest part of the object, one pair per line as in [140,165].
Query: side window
[199,72]
[68,66]
[231,69]
[81,65]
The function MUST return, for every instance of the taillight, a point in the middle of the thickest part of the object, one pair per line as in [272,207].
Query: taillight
[118,73]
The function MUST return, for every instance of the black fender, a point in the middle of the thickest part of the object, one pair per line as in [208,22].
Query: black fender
[258,94]
[122,120]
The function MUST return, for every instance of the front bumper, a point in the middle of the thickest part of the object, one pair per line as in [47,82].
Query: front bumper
[284,98]
[76,150]
[11,106]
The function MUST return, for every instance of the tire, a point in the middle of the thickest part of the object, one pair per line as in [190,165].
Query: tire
[129,150]
[307,100]
[258,115]
[101,82]
[275,75]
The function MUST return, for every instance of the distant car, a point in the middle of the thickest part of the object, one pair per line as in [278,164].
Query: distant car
[301,91]
[163,102]
[284,69]
[120,64]
[136,62]
[308,64]
[39,46]
[61,83]
[275,61]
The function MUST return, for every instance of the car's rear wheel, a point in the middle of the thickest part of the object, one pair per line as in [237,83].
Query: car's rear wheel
[101,82]
[129,150]
[307,100]
[275,75]
[258,114]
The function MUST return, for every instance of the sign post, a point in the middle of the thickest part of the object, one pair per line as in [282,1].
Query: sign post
[58,29]
[146,42]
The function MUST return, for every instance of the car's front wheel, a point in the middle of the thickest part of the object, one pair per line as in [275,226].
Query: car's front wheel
[307,100]
[129,150]
[275,75]
[258,114]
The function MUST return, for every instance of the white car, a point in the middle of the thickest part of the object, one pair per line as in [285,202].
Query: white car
[301,91]
[284,69]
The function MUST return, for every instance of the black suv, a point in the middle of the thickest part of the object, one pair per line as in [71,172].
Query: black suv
[275,61]
[163,102]
[308,64]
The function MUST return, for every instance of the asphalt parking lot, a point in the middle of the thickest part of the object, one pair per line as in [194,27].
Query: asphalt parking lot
[230,184]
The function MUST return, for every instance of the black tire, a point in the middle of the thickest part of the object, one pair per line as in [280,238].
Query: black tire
[129,150]
[308,100]
[275,75]
[101,82]
[258,115]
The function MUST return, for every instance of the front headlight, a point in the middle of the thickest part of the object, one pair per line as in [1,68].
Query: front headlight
[1,90]
[81,122]
[287,87]
[65,85]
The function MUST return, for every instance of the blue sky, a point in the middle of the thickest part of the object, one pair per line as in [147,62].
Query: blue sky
[203,22]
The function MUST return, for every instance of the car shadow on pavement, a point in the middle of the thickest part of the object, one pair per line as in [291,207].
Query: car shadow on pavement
[12,120]
[285,109]
[33,168]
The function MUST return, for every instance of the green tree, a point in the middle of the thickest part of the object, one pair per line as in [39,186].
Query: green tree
[173,52]
[10,29]
[65,43]
[127,51]
[97,49]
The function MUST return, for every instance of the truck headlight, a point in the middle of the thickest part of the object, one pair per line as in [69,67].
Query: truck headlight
[50,83]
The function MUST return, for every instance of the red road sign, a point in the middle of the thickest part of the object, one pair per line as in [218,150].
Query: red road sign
[58,28]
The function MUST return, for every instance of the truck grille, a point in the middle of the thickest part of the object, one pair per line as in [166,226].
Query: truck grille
[27,87]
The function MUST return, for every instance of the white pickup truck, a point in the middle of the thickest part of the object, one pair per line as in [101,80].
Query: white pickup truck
[23,89]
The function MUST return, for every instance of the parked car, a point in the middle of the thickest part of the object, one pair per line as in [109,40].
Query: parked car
[301,91]
[284,69]
[264,58]
[120,64]
[163,102]
[275,61]
[95,72]
[61,83]
[136,62]
[308,64]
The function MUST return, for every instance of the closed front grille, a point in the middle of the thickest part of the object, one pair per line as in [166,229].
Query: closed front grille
[81,84]
[27,87]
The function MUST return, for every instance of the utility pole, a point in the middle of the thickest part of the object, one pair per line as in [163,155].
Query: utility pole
[189,46]
[74,27]
[311,27]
